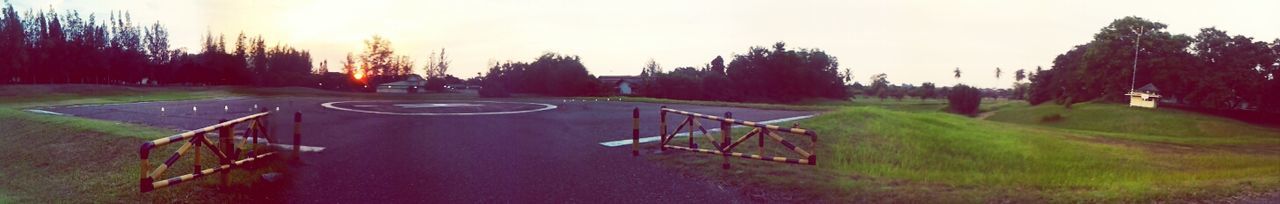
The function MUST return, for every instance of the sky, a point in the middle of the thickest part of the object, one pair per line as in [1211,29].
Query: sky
[912,41]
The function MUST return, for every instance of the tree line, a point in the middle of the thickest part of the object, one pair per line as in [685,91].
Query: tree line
[550,74]
[1210,70]
[44,46]
[775,74]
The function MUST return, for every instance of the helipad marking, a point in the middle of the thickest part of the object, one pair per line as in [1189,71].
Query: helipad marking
[686,134]
[330,105]
[44,112]
[437,105]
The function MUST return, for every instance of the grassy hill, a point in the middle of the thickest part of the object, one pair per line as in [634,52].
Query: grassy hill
[1163,125]
[874,154]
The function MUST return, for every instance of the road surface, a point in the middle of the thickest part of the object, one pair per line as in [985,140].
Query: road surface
[546,156]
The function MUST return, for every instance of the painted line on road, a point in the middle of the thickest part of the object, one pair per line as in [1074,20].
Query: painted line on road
[686,134]
[544,107]
[45,112]
[146,102]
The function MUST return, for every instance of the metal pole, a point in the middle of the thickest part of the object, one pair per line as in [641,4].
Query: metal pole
[1134,79]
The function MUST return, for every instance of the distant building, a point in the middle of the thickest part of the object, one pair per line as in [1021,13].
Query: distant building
[621,85]
[461,86]
[1146,97]
[411,84]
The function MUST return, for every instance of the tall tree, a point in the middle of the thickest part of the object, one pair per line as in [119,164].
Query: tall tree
[377,55]
[717,65]
[880,85]
[998,72]
[1019,75]
[437,65]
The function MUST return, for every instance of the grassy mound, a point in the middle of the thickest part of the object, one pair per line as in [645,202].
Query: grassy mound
[880,155]
[1152,125]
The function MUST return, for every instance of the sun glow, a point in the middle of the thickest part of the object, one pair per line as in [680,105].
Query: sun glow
[359,74]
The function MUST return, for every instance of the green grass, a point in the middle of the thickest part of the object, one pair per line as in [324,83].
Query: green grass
[1153,125]
[61,159]
[874,154]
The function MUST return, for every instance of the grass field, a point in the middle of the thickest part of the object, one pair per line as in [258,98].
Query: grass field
[887,153]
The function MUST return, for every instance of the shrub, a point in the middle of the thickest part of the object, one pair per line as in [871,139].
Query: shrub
[964,99]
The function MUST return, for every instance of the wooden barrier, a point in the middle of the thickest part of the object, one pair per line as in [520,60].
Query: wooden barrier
[228,156]
[726,144]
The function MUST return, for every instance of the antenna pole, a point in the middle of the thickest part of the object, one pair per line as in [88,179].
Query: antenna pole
[1134,79]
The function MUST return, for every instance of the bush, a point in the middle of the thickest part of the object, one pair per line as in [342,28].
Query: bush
[964,99]
[494,90]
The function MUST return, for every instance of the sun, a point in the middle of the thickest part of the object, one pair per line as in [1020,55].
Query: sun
[358,74]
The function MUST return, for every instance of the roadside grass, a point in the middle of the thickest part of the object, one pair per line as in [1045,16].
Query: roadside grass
[58,159]
[61,159]
[871,154]
[1163,125]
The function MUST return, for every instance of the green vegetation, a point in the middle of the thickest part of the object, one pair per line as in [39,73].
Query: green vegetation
[79,160]
[1151,125]
[875,154]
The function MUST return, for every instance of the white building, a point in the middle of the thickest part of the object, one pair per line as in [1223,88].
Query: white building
[411,84]
[1145,97]
[623,85]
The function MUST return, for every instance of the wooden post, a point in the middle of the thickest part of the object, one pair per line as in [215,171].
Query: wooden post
[224,135]
[297,134]
[198,140]
[662,119]
[144,183]
[635,132]
[725,130]
[761,135]
[689,122]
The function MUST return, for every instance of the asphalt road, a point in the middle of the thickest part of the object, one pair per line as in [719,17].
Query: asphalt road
[550,156]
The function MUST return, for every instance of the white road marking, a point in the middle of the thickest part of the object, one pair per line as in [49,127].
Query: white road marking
[436,105]
[45,112]
[330,105]
[686,134]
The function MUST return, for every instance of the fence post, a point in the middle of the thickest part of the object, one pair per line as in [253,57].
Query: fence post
[196,143]
[764,132]
[145,181]
[224,135]
[662,119]
[725,130]
[689,122]
[297,134]
[635,132]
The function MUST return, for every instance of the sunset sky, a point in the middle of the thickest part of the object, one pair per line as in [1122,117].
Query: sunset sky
[911,41]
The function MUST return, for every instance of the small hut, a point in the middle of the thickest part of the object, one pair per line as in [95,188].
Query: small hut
[1146,97]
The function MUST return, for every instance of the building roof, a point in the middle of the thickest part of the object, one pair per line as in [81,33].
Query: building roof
[1149,88]
[410,80]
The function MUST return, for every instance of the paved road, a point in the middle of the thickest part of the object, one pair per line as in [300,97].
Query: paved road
[551,156]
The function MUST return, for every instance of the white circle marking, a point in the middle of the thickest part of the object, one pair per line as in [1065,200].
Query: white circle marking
[330,105]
